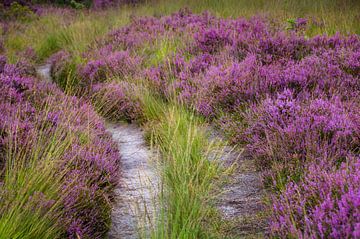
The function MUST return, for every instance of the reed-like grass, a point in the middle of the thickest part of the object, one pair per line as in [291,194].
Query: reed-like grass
[32,185]
[188,168]
[61,30]
[188,176]
[75,31]
[331,16]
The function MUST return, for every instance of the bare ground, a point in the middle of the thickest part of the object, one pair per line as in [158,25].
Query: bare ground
[241,203]
[136,193]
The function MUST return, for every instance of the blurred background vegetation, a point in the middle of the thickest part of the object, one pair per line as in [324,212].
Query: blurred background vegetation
[45,29]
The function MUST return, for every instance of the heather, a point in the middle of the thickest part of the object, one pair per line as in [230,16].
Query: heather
[278,79]
[63,28]
[334,208]
[290,100]
[58,146]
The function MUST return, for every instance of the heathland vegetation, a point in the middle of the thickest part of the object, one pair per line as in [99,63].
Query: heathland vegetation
[278,79]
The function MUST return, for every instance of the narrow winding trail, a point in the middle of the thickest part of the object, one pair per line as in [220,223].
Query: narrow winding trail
[135,196]
[136,193]
[44,72]
[242,200]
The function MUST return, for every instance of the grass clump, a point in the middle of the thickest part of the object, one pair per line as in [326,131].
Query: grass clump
[59,165]
[75,30]
[32,187]
[60,29]
[189,177]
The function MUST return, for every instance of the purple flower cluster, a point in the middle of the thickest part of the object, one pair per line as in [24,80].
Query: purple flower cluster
[291,101]
[212,40]
[29,108]
[94,81]
[148,30]
[325,204]
[98,4]
[294,132]
[118,64]
[117,101]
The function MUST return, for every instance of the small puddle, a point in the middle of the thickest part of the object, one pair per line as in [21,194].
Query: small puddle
[135,196]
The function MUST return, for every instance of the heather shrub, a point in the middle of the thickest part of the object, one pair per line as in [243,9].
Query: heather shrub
[2,63]
[350,62]
[212,40]
[282,46]
[118,64]
[224,86]
[178,77]
[163,79]
[319,74]
[59,67]
[290,100]
[117,101]
[158,81]
[138,33]
[287,133]
[325,204]
[64,71]
[31,108]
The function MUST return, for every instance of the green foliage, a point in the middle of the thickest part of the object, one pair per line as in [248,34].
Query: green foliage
[159,52]
[17,12]
[67,78]
[188,177]
[30,190]
[61,30]
[49,46]
[72,3]
[76,5]
[291,23]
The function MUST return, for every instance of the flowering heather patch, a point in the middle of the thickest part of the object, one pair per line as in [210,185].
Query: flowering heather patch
[30,108]
[293,132]
[212,40]
[147,30]
[93,81]
[118,64]
[117,101]
[60,63]
[325,204]
[292,101]
[109,3]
